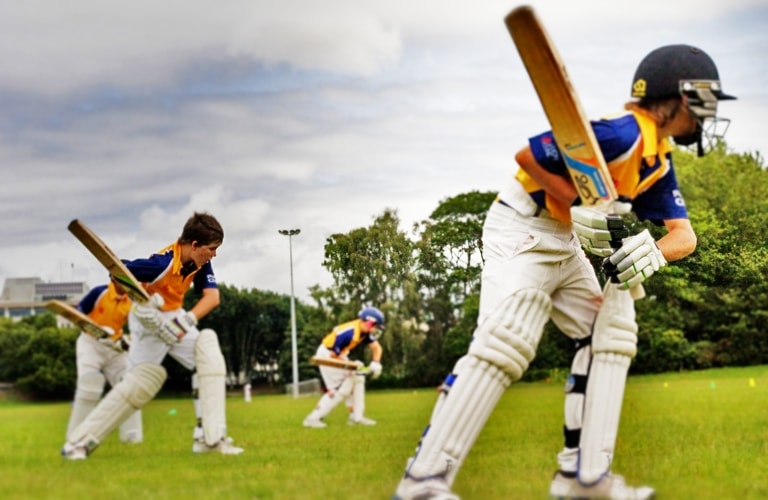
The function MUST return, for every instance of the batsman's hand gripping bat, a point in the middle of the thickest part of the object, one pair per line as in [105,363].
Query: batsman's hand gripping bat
[570,126]
[77,318]
[110,260]
[338,363]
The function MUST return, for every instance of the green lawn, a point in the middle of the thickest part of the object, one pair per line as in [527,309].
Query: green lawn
[696,435]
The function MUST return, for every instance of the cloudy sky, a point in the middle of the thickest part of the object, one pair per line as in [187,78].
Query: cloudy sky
[305,114]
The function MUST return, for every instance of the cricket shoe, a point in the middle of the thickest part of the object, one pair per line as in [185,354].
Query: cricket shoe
[360,421]
[565,486]
[224,446]
[315,423]
[426,489]
[74,452]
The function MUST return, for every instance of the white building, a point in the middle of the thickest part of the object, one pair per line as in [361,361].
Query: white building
[27,296]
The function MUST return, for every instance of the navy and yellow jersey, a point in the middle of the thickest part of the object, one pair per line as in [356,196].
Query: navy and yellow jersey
[345,337]
[106,308]
[639,162]
[163,273]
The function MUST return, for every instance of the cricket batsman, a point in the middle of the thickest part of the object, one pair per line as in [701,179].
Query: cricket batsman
[348,385]
[536,271]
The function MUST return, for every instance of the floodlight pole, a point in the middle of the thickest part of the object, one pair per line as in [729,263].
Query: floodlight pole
[294,351]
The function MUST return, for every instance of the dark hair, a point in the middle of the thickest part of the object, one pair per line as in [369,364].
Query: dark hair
[202,228]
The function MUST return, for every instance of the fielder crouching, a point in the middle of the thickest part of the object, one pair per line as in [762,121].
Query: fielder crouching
[162,327]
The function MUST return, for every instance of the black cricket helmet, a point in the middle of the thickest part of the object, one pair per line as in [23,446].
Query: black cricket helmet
[684,70]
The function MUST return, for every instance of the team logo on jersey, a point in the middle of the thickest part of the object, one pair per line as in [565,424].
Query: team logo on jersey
[679,201]
[550,149]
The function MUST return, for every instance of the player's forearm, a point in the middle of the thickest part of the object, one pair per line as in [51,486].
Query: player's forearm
[680,240]
[207,303]
[556,186]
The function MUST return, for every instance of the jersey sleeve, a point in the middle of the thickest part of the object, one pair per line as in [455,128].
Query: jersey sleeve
[662,201]
[88,302]
[205,278]
[147,270]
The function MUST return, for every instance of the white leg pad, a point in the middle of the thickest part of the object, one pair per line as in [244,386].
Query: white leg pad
[138,387]
[358,397]
[332,398]
[614,344]
[500,352]
[90,386]
[211,372]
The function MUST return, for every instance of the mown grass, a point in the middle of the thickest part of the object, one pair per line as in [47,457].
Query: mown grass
[696,435]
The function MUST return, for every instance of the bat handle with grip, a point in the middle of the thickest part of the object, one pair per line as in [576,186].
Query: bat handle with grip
[637,292]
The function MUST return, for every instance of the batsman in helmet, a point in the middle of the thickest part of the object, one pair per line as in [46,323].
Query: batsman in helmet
[348,385]
[535,237]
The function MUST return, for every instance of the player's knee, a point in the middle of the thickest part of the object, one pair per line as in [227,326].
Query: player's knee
[141,384]
[509,336]
[618,336]
[90,386]
[208,356]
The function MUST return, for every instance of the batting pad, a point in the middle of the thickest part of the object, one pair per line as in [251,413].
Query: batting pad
[89,388]
[614,344]
[501,349]
[211,373]
[140,384]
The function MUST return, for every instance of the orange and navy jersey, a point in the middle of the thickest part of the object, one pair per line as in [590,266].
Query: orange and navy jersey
[163,273]
[106,308]
[345,337]
[639,162]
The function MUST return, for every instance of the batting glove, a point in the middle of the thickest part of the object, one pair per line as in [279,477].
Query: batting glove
[375,369]
[600,233]
[636,261]
[173,329]
[149,315]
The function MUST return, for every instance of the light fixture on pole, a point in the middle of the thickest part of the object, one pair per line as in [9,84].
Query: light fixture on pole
[290,233]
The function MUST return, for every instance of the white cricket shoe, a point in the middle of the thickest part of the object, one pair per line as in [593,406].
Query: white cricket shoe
[225,447]
[360,421]
[74,452]
[315,423]
[426,489]
[566,486]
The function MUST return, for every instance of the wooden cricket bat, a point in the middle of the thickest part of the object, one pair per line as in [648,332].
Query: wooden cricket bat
[336,363]
[110,260]
[77,318]
[570,126]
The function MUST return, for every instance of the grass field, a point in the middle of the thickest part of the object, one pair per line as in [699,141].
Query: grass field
[696,435]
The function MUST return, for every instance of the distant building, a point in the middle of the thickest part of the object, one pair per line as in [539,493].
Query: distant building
[27,296]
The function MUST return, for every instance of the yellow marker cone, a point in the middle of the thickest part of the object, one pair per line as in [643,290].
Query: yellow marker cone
[666,384]
[751,382]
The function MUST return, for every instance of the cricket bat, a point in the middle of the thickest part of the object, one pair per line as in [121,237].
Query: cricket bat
[570,126]
[77,318]
[336,363]
[109,260]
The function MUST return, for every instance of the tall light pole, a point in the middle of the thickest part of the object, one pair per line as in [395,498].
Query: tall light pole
[290,233]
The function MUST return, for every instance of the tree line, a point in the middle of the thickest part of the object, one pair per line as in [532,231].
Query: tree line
[708,310]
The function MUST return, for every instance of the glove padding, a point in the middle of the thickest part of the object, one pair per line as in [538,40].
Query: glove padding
[636,261]
[375,369]
[173,329]
[149,314]
[600,233]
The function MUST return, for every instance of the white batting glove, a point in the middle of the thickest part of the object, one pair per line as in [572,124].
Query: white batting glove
[600,233]
[173,329]
[375,369]
[636,261]
[149,314]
